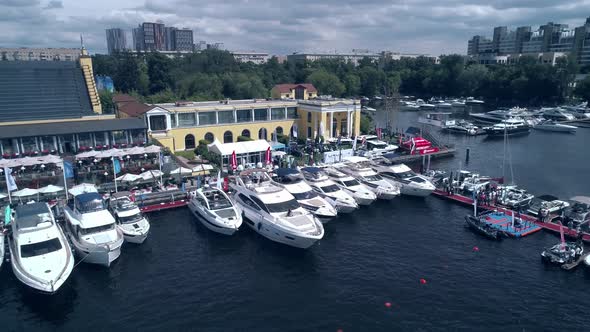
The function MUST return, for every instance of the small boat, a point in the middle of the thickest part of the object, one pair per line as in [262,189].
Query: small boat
[40,254]
[483,228]
[578,213]
[458,103]
[563,252]
[473,101]
[508,127]
[557,127]
[130,221]
[443,104]
[546,204]
[462,127]
[424,105]
[215,210]
[514,198]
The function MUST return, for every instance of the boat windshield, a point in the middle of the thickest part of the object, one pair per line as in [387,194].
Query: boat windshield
[417,179]
[375,177]
[218,203]
[282,206]
[97,229]
[90,206]
[40,248]
[331,188]
[131,219]
[305,195]
[350,183]
[405,175]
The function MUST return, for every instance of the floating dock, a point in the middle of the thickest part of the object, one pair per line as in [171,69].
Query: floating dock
[502,222]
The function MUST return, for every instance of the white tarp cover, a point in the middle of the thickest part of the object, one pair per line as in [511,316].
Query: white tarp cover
[30,161]
[25,192]
[50,189]
[150,174]
[226,149]
[128,177]
[82,188]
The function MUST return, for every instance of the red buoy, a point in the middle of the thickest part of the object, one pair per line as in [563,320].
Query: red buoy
[340,330]
[475,248]
[423,281]
[388,304]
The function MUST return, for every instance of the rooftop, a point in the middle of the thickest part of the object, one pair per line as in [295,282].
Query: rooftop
[247,103]
[286,88]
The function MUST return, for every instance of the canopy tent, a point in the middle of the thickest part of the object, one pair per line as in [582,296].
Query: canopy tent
[278,153]
[182,170]
[249,152]
[277,146]
[147,175]
[137,150]
[82,188]
[129,177]
[203,167]
[25,192]
[50,189]
[31,161]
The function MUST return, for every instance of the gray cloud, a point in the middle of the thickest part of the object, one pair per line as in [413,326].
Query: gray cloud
[282,27]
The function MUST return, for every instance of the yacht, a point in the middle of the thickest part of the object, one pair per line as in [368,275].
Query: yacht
[508,127]
[558,114]
[411,183]
[546,204]
[273,212]
[215,210]
[562,253]
[326,188]
[473,101]
[578,213]
[293,182]
[409,106]
[40,254]
[360,169]
[458,103]
[462,127]
[91,228]
[513,197]
[130,221]
[424,105]
[499,115]
[554,126]
[362,194]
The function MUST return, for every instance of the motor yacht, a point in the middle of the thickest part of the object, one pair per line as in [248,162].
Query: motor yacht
[562,253]
[558,114]
[499,115]
[91,228]
[508,127]
[292,180]
[424,105]
[360,192]
[360,169]
[412,184]
[40,254]
[326,188]
[409,106]
[458,103]
[273,212]
[554,126]
[215,210]
[578,213]
[546,204]
[473,101]
[462,127]
[130,221]
[514,197]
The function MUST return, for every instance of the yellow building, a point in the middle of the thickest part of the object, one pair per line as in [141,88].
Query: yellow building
[302,91]
[179,126]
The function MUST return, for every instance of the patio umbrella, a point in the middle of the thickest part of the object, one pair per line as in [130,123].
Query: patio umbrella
[152,149]
[25,192]
[50,189]
[128,177]
[2,195]
[147,175]
[82,188]
[182,170]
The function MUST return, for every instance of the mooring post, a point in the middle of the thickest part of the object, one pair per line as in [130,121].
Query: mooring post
[467,156]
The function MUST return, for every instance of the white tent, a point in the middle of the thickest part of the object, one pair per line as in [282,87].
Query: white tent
[82,188]
[147,175]
[182,170]
[278,153]
[25,192]
[128,177]
[226,149]
[203,167]
[50,189]
[152,149]
[2,195]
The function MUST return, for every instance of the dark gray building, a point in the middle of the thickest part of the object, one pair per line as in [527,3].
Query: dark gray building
[116,40]
[183,40]
[170,38]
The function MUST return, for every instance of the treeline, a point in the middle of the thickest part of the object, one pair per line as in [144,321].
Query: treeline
[214,74]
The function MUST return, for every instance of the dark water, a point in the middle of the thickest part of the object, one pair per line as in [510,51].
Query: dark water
[186,278]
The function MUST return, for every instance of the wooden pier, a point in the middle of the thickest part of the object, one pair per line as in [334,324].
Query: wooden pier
[574,264]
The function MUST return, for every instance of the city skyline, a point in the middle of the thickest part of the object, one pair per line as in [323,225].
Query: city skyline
[420,26]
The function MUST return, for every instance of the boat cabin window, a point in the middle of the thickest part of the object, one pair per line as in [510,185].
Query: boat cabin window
[417,179]
[40,248]
[90,206]
[282,206]
[98,229]
[350,183]
[248,202]
[331,188]
[403,175]
[130,219]
[305,195]
[259,203]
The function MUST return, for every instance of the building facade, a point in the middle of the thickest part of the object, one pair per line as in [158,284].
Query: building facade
[116,40]
[183,40]
[251,56]
[39,54]
[301,91]
[353,58]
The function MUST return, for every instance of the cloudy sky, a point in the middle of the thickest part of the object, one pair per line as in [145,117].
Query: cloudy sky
[282,27]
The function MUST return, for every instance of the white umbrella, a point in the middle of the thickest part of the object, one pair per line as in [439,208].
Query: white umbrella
[135,150]
[129,177]
[152,149]
[203,167]
[82,188]
[151,174]
[2,196]
[25,192]
[50,189]
[182,170]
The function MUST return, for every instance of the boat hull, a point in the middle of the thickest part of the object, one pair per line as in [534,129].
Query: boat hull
[559,129]
[493,133]
[414,191]
[206,221]
[102,257]
[135,239]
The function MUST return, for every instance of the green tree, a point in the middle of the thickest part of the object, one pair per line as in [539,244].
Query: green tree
[106,101]
[365,124]
[472,79]
[126,77]
[158,69]
[582,89]
[353,85]
[327,83]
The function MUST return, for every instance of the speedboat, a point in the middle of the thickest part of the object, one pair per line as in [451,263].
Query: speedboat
[513,197]
[562,253]
[578,213]
[411,183]
[409,106]
[462,127]
[473,101]
[215,210]
[360,169]
[554,126]
[458,103]
[326,188]
[273,212]
[546,204]
[362,195]
[443,104]
[91,228]
[130,221]
[558,114]
[40,254]
[508,127]
[479,226]
[293,182]
[424,105]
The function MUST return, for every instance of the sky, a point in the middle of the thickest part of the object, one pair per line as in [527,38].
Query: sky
[282,27]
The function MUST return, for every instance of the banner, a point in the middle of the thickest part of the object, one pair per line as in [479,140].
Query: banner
[219,184]
[117,165]
[68,170]
[10,182]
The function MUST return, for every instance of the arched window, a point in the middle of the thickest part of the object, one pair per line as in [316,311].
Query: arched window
[292,131]
[246,133]
[209,137]
[189,142]
[279,131]
[262,133]
[228,137]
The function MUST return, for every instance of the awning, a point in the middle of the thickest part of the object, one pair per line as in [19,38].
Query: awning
[30,161]
[277,146]
[25,192]
[138,150]
[226,149]
[50,189]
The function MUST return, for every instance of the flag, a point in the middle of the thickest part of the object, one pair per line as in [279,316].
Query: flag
[354,144]
[68,170]
[116,165]
[379,133]
[161,158]
[10,183]
[267,159]
[234,161]
[219,184]
[295,130]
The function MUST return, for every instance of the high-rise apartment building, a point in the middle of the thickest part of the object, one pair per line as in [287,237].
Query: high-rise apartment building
[138,44]
[183,40]
[150,36]
[170,40]
[116,40]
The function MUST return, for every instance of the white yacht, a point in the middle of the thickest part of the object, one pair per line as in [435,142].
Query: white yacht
[130,221]
[411,183]
[473,101]
[326,188]
[91,228]
[360,192]
[424,105]
[292,180]
[273,212]
[555,126]
[360,169]
[40,254]
[215,210]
